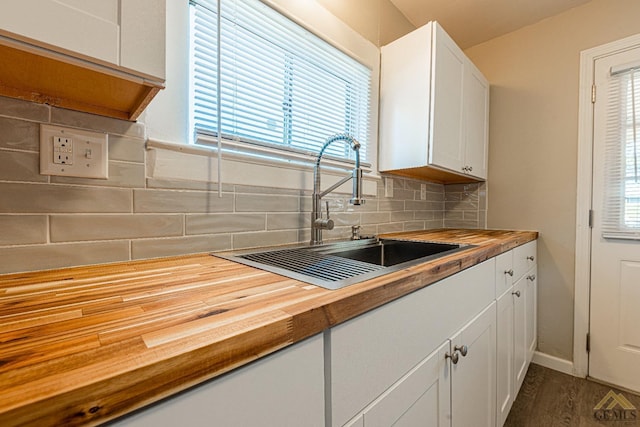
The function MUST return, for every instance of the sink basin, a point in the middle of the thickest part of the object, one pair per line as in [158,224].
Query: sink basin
[388,252]
[336,265]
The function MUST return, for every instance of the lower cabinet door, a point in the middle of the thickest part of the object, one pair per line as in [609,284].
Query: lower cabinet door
[520,347]
[473,372]
[504,358]
[284,389]
[420,398]
[531,302]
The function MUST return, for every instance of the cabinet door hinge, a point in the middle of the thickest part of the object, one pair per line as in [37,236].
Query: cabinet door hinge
[590,218]
[593,93]
[588,342]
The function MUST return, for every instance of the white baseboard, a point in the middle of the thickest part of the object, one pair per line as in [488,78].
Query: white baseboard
[553,362]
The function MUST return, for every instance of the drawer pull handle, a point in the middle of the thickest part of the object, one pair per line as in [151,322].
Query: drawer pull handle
[509,272]
[516,293]
[454,357]
[531,258]
[462,349]
[531,277]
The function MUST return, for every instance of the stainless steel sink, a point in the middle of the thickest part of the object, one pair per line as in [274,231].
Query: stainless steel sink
[337,265]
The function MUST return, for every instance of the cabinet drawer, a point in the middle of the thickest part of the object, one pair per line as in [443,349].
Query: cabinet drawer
[524,258]
[370,353]
[504,273]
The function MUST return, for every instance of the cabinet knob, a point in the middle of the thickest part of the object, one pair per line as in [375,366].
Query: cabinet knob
[516,293]
[531,258]
[462,349]
[509,272]
[470,168]
[454,357]
[531,277]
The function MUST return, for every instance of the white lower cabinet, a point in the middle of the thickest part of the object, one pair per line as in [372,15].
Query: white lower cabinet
[279,390]
[505,385]
[473,372]
[374,353]
[421,397]
[531,307]
[516,329]
[520,347]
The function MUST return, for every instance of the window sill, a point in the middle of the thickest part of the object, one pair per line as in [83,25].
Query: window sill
[251,167]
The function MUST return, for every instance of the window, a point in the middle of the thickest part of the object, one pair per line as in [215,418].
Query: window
[622,158]
[259,78]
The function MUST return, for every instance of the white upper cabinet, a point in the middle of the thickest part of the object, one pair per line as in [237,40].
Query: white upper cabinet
[142,36]
[447,111]
[103,57]
[87,28]
[129,34]
[476,121]
[434,107]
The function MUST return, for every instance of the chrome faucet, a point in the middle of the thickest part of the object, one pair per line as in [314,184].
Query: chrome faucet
[317,222]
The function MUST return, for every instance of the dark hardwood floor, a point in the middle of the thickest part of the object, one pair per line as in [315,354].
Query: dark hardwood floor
[549,398]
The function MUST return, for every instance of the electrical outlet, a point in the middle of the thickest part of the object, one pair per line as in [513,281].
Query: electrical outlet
[73,152]
[62,150]
[423,191]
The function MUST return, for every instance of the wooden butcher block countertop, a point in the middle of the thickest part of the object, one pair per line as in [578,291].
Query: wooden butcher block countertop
[87,344]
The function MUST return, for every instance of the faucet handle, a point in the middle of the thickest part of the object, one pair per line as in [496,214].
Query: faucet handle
[324,224]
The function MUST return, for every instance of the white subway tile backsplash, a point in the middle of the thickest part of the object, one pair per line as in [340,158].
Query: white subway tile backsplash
[50,222]
[20,166]
[224,223]
[23,229]
[44,257]
[51,198]
[69,228]
[173,201]
[19,134]
[155,248]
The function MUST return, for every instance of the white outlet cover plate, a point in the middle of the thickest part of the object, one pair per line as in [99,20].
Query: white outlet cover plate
[90,153]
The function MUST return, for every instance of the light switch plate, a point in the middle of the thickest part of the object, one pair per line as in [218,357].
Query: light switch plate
[73,152]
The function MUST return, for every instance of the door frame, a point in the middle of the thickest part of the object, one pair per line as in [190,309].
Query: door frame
[582,283]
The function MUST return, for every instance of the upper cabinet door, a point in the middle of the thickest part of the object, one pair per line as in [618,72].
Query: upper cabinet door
[88,28]
[126,34]
[405,93]
[142,36]
[447,117]
[476,96]
[434,106]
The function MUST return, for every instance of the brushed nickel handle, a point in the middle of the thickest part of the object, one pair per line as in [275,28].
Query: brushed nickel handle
[531,277]
[463,349]
[509,272]
[531,258]
[454,357]
[516,293]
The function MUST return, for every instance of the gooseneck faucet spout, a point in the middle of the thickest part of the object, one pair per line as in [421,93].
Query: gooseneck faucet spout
[317,222]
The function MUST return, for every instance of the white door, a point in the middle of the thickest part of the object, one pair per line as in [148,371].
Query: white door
[615,263]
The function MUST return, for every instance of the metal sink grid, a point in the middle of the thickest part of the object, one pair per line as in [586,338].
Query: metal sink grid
[336,265]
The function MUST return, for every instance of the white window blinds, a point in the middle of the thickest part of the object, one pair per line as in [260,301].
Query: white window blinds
[258,77]
[621,218]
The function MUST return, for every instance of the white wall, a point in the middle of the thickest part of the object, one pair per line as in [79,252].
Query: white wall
[534,76]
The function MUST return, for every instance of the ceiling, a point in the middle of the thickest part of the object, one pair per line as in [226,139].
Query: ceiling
[470,22]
